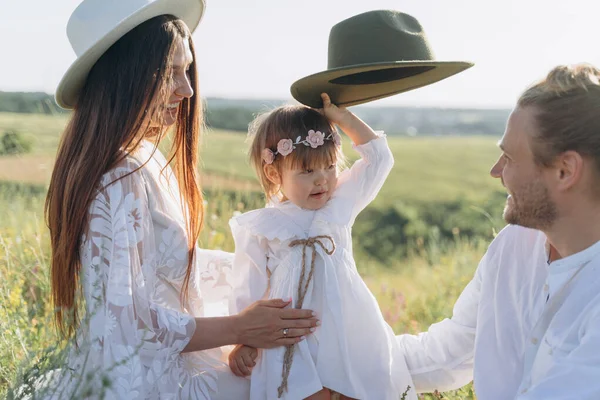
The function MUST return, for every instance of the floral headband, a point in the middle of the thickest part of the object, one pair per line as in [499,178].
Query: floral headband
[286,146]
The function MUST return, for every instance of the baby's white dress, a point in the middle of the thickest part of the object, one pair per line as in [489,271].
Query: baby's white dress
[353,352]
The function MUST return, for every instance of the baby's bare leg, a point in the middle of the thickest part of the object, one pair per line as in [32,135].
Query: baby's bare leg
[323,394]
[339,396]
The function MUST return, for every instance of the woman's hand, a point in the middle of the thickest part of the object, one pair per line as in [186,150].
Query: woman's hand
[267,323]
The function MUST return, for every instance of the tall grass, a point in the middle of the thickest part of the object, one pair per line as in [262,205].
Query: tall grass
[25,311]
[435,204]
[412,293]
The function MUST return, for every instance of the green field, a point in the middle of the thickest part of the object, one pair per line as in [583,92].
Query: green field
[427,168]
[417,245]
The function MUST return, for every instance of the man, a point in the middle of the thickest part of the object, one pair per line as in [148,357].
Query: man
[528,325]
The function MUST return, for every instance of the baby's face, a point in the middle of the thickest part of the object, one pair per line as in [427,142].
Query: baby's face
[309,188]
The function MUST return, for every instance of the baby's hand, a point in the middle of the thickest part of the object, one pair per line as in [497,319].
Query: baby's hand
[354,127]
[335,114]
[242,360]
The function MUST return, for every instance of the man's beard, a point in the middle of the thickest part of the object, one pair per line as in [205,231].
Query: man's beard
[531,206]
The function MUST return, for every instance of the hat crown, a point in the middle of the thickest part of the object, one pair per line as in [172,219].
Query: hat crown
[94,19]
[96,25]
[376,37]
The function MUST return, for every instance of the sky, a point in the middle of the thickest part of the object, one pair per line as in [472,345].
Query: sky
[258,48]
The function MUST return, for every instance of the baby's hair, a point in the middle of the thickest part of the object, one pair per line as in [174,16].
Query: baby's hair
[290,122]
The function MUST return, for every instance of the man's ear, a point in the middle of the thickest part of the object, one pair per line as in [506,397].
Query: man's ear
[272,174]
[569,169]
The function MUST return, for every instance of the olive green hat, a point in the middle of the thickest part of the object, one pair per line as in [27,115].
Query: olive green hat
[375,55]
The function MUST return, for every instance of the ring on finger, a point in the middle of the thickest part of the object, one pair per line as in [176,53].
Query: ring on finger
[285,331]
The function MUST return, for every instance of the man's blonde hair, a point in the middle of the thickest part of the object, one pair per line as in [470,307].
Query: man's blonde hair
[567,113]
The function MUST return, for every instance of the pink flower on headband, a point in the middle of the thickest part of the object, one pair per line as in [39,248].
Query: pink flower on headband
[337,140]
[315,139]
[268,156]
[285,147]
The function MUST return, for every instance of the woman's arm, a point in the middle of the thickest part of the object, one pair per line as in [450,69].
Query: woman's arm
[260,325]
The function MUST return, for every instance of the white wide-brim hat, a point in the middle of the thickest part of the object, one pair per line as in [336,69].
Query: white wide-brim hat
[96,25]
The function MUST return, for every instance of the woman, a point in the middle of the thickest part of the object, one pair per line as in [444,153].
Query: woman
[124,224]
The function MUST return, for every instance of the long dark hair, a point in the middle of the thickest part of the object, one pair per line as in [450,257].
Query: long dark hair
[113,113]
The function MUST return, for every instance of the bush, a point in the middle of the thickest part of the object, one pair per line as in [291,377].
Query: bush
[14,143]
[229,118]
[404,230]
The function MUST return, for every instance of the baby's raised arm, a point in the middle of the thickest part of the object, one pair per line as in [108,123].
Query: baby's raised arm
[354,127]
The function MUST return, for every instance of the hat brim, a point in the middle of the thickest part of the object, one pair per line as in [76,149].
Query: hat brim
[357,84]
[67,91]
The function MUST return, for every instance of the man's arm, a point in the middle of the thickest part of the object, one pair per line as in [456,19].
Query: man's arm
[442,358]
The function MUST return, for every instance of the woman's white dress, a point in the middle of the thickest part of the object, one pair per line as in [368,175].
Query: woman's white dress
[134,258]
[354,351]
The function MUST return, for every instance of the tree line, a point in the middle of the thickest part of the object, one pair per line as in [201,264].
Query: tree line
[235,114]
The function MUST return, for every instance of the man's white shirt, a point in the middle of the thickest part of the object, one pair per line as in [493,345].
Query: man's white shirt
[498,337]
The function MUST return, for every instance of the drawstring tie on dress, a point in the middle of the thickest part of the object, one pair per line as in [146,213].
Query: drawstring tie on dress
[311,242]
